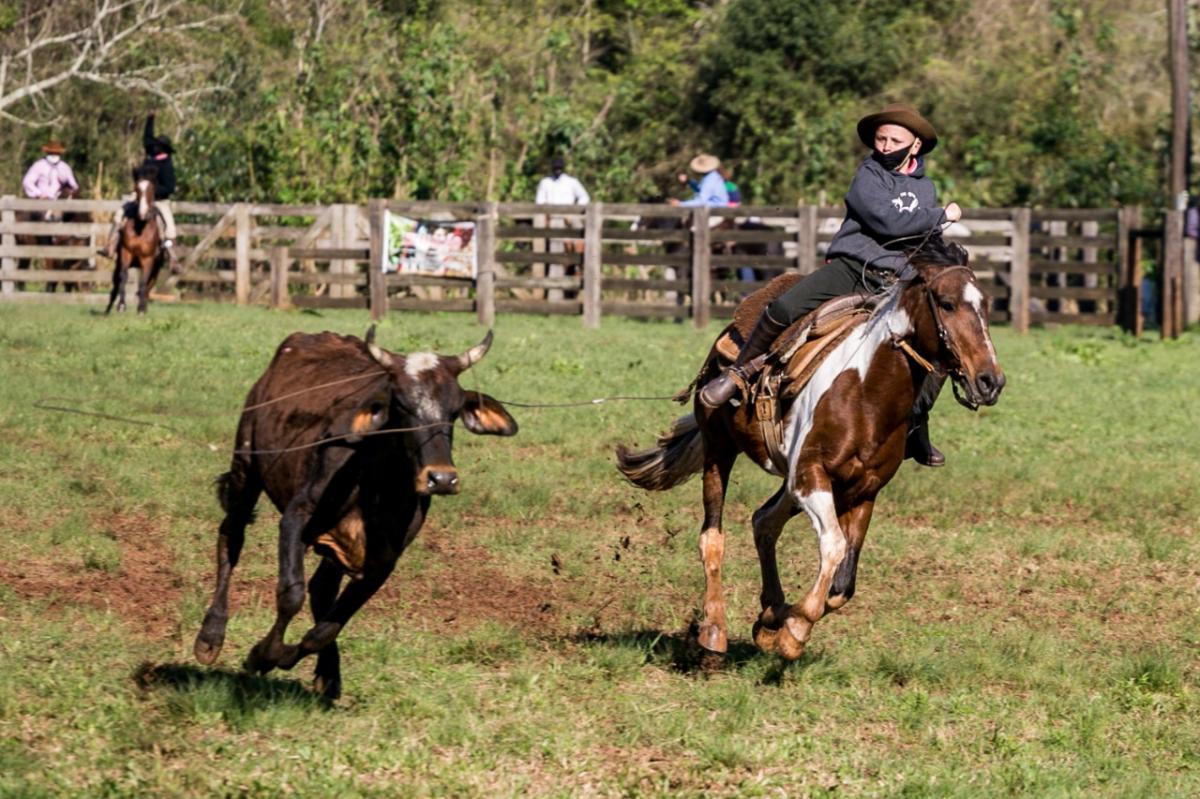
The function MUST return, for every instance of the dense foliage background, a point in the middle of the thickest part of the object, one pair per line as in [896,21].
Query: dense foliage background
[1043,102]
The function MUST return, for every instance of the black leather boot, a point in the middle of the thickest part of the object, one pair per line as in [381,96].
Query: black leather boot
[918,446]
[722,388]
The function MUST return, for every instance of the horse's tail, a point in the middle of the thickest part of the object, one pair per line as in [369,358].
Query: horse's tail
[679,455]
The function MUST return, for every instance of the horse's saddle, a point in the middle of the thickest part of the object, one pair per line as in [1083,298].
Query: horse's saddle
[793,359]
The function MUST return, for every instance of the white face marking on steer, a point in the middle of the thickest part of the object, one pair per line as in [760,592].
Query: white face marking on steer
[419,362]
[855,352]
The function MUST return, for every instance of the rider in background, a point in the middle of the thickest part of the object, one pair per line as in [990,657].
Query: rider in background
[158,151]
[49,174]
[711,188]
[891,204]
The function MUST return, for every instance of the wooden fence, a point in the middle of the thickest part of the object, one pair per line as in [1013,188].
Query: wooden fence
[1040,266]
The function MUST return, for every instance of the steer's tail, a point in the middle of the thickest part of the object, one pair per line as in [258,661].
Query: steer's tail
[679,455]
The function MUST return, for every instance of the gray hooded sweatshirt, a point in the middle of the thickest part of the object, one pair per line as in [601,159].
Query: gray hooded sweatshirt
[882,206]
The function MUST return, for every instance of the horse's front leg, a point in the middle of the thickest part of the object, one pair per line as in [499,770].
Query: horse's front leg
[713,634]
[855,522]
[815,495]
[146,265]
[120,270]
[768,524]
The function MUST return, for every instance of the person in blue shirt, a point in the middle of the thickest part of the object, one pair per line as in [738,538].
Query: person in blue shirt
[711,190]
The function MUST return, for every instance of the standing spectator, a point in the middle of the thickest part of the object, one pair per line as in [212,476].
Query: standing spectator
[559,188]
[49,174]
[1191,264]
[158,151]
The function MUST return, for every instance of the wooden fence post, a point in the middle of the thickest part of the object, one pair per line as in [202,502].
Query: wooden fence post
[701,274]
[9,218]
[806,240]
[1172,275]
[1128,311]
[1018,290]
[377,280]
[279,277]
[485,253]
[241,285]
[592,222]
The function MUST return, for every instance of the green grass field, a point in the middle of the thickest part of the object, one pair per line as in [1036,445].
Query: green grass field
[1026,623]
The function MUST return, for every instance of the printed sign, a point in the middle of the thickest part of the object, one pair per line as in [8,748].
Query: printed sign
[426,247]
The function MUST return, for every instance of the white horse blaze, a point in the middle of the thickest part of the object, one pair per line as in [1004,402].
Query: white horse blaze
[143,187]
[974,296]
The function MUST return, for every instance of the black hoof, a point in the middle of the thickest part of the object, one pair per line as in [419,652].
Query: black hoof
[329,688]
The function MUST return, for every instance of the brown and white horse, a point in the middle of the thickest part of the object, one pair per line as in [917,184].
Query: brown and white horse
[843,439]
[140,245]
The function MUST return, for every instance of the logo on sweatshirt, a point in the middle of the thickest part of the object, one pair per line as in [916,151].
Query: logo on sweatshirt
[906,203]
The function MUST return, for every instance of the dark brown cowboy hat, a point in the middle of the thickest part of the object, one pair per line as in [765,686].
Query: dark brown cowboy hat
[53,147]
[898,114]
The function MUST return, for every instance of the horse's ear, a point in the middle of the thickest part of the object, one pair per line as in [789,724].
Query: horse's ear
[136,175]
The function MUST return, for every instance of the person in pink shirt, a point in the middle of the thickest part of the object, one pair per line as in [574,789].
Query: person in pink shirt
[48,176]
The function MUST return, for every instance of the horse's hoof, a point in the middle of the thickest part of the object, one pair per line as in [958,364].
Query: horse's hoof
[713,639]
[765,638]
[793,636]
[290,657]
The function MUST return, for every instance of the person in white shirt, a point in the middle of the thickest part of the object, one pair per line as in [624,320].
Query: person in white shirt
[559,188]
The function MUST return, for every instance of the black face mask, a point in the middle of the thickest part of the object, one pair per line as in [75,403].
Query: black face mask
[890,161]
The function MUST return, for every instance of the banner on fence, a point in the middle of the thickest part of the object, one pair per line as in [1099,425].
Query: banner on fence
[428,247]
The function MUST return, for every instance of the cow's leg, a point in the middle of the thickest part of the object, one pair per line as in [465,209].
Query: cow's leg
[816,498]
[238,491]
[322,594]
[289,589]
[713,634]
[769,521]
[855,522]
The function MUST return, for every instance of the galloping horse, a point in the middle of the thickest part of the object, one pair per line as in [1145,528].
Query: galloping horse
[842,438]
[140,241]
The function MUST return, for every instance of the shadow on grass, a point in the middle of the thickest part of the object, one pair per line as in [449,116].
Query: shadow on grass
[682,652]
[245,692]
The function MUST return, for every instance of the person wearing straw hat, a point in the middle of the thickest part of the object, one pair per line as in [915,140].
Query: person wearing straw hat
[711,190]
[890,201]
[49,174]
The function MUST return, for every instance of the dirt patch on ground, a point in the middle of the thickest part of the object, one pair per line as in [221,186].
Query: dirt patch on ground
[143,591]
[459,586]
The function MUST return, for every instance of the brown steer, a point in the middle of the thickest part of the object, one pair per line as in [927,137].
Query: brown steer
[350,442]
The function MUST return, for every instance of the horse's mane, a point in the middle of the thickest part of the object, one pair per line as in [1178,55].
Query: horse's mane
[933,250]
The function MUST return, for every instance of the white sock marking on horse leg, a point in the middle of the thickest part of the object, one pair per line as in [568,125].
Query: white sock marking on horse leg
[820,507]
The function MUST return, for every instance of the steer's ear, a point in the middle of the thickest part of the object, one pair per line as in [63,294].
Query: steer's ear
[364,416]
[486,416]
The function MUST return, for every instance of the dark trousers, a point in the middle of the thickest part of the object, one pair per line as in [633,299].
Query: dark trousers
[839,277]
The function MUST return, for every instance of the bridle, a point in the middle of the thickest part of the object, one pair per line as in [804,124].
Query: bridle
[954,371]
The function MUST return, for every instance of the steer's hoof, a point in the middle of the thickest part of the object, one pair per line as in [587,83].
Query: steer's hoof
[258,662]
[713,639]
[329,688]
[206,651]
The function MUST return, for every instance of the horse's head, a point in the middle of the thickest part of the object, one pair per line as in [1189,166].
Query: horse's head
[143,180]
[950,316]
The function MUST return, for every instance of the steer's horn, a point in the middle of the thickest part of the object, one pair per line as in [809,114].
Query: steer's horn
[377,352]
[475,354]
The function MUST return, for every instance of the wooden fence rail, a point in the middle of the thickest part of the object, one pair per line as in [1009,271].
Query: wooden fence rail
[654,261]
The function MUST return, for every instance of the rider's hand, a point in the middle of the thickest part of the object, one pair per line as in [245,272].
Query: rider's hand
[673,201]
[152,113]
[682,177]
[953,212]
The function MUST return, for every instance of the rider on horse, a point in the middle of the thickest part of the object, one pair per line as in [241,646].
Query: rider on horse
[891,202]
[158,159]
[49,174]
